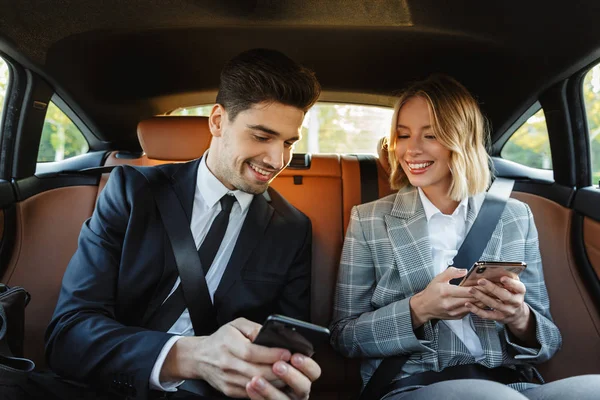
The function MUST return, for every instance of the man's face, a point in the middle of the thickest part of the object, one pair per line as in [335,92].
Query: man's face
[250,151]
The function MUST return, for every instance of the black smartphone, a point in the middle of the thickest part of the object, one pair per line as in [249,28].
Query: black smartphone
[492,271]
[292,334]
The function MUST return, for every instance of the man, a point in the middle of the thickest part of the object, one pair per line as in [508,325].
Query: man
[123,274]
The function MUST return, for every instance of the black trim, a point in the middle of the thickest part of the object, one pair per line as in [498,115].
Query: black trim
[554,101]
[31,124]
[7,240]
[559,194]
[300,161]
[586,202]
[29,187]
[83,161]
[509,169]
[10,115]
[579,127]
[369,180]
[582,261]
[7,194]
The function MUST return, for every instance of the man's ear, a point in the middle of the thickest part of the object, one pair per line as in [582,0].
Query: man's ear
[217,117]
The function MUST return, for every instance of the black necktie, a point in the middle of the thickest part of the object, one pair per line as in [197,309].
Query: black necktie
[208,249]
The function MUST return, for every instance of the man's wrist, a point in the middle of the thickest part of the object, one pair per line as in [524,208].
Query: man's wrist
[181,362]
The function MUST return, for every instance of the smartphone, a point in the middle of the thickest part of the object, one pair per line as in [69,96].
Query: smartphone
[292,334]
[492,271]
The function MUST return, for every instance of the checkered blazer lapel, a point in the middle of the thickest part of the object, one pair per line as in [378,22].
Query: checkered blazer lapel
[406,226]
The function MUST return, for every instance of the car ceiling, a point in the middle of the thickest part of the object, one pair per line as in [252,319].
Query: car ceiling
[117,62]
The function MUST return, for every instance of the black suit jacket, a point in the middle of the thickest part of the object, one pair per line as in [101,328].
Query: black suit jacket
[124,269]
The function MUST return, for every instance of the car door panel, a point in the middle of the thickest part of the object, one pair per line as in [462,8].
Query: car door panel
[573,309]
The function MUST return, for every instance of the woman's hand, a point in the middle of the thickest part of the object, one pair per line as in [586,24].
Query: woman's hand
[440,299]
[504,302]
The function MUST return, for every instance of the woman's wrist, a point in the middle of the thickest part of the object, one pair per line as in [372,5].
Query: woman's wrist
[417,313]
[523,328]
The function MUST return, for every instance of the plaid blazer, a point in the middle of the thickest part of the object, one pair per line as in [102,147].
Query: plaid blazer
[387,258]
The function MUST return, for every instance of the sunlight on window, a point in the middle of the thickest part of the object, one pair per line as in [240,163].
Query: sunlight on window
[3,84]
[198,111]
[530,145]
[332,128]
[591,96]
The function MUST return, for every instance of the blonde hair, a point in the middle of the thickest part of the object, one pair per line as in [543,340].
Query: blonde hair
[458,125]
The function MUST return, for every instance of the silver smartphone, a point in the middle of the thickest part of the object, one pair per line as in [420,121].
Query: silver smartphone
[492,271]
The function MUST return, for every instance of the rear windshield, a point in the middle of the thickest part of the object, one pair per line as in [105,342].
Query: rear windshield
[333,128]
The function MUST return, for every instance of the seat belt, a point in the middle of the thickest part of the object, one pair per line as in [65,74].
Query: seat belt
[369,179]
[193,283]
[471,249]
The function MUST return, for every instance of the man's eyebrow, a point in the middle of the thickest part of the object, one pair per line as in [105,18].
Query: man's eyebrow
[270,131]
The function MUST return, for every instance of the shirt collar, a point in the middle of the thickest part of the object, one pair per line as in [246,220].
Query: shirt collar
[211,189]
[431,210]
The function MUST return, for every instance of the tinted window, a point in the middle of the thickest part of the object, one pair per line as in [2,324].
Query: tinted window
[61,139]
[529,145]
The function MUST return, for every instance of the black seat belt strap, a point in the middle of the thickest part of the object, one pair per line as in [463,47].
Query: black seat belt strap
[469,252]
[480,233]
[369,179]
[193,284]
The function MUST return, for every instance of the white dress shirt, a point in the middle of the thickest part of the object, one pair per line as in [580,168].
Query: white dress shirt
[209,191]
[446,234]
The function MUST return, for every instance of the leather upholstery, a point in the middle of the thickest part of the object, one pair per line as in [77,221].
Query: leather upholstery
[48,225]
[571,307]
[174,138]
[591,233]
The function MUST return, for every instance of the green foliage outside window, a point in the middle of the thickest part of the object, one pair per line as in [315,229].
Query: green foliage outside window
[61,139]
[529,145]
[591,95]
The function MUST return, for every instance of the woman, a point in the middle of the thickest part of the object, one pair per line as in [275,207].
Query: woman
[393,294]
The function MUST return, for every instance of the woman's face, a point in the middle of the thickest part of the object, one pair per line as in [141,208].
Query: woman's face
[423,159]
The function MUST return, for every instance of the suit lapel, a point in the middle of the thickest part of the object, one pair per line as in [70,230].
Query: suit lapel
[184,181]
[252,232]
[407,229]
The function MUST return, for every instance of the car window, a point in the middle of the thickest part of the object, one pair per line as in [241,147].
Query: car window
[591,95]
[333,128]
[61,139]
[3,85]
[529,145]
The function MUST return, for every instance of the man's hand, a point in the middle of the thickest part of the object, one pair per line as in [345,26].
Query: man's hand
[440,299]
[505,302]
[227,359]
[298,376]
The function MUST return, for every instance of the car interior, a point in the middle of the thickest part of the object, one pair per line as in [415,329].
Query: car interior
[118,70]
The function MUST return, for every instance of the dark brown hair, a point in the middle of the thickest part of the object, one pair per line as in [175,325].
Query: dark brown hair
[263,75]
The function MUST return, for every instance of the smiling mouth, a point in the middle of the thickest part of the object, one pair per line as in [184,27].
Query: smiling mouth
[262,172]
[420,166]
